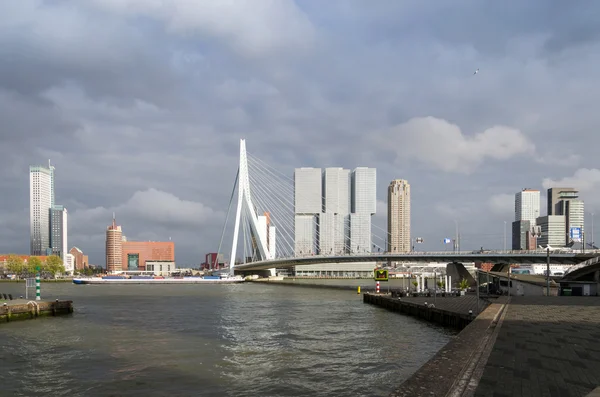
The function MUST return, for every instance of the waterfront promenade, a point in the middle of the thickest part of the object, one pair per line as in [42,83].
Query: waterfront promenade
[522,346]
[546,346]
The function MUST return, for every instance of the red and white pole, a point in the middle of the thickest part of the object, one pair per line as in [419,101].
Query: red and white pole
[377,287]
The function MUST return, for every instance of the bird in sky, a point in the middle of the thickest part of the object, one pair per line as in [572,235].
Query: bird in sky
[475,72]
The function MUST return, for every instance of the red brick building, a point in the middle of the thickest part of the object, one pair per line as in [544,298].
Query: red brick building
[80,261]
[136,253]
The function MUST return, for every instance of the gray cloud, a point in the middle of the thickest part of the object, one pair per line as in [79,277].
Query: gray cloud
[139,104]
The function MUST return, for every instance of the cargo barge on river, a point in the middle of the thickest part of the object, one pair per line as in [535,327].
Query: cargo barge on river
[159,280]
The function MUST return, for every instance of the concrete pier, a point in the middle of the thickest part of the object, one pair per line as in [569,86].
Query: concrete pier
[23,309]
[456,312]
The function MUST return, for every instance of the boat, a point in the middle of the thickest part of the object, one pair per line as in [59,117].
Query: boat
[118,279]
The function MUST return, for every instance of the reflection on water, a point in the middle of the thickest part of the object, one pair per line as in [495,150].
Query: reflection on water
[231,340]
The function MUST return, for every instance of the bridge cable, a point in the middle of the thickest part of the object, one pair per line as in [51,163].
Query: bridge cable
[227,217]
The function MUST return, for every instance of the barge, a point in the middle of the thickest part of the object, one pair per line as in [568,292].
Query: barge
[158,280]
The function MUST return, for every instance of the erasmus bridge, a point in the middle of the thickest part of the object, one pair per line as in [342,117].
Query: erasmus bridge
[264,231]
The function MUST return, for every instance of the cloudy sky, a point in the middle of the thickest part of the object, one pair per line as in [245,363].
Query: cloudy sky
[140,105]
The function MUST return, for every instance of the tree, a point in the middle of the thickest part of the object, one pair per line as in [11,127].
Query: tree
[464,284]
[440,284]
[54,265]
[15,264]
[33,264]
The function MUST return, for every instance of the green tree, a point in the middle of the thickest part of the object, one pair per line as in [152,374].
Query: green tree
[15,264]
[440,284]
[464,284]
[54,265]
[33,263]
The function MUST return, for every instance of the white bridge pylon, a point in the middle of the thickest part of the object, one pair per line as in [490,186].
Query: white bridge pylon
[245,204]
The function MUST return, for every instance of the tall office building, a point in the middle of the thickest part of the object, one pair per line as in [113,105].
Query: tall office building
[527,205]
[552,229]
[58,231]
[308,204]
[114,248]
[41,200]
[565,202]
[556,194]
[334,221]
[398,239]
[527,211]
[363,206]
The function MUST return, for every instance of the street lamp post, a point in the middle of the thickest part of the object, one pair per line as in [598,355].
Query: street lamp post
[547,271]
[593,240]
[456,238]
[504,235]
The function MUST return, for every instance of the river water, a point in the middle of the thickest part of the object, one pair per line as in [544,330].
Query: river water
[246,339]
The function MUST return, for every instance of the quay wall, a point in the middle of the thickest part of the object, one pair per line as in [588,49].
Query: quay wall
[437,315]
[34,309]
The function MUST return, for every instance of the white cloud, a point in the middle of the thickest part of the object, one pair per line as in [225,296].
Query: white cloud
[251,27]
[559,159]
[443,145]
[502,204]
[154,206]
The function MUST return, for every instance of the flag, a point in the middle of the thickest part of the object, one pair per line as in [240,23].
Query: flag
[447,241]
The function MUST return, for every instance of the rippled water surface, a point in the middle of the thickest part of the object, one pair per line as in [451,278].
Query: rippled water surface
[228,340]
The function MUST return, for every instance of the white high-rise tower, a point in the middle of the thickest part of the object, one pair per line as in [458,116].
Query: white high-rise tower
[41,199]
[334,221]
[308,203]
[527,205]
[364,205]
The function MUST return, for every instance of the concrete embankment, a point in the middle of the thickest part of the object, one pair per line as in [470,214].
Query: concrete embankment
[22,309]
[451,370]
[456,311]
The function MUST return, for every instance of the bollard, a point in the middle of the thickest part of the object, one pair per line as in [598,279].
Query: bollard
[358,290]
[37,285]
[377,287]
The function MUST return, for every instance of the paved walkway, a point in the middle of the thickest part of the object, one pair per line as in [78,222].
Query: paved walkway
[546,346]
[449,366]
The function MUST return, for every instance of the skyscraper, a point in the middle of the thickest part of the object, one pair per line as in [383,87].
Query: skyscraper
[58,231]
[308,204]
[114,248]
[527,205]
[556,194]
[399,240]
[364,205]
[41,199]
[564,201]
[527,211]
[334,221]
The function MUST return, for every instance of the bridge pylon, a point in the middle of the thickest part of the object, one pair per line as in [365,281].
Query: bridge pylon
[245,204]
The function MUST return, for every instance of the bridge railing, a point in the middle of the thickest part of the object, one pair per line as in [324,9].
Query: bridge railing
[450,253]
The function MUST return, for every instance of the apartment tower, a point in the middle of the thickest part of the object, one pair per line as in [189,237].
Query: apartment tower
[114,249]
[399,240]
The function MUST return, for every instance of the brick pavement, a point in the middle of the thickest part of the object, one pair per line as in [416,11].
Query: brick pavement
[546,346]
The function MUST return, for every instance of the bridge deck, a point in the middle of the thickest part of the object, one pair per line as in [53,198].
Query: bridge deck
[439,257]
